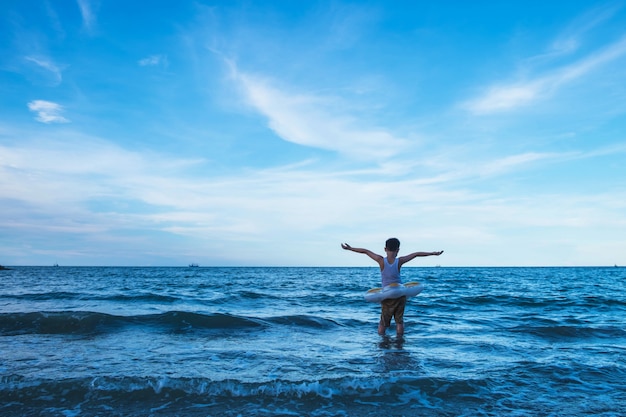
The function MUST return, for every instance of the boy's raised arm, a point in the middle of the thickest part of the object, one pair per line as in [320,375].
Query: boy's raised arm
[374,256]
[407,258]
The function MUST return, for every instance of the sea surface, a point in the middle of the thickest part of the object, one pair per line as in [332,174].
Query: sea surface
[105,341]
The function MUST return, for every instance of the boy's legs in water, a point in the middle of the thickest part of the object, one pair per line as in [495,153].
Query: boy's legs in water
[399,329]
[392,308]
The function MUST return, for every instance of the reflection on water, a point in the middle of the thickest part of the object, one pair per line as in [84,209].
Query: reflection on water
[392,357]
[388,342]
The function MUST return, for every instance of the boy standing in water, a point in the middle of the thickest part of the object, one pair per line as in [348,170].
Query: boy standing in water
[390,273]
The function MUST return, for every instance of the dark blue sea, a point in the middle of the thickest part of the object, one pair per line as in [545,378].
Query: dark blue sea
[105,341]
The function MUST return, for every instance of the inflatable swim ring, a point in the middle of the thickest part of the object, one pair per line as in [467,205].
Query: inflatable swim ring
[410,289]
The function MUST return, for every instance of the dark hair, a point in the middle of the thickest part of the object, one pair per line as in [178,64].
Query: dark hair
[392,244]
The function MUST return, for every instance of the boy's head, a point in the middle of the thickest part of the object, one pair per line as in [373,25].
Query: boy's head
[392,245]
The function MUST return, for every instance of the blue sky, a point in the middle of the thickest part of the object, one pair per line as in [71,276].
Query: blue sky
[267,133]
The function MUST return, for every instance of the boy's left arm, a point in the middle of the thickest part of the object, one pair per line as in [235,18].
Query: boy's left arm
[404,259]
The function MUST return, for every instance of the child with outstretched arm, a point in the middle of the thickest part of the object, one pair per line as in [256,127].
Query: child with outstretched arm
[390,273]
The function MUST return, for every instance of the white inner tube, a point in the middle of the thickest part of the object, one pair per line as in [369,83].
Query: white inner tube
[410,289]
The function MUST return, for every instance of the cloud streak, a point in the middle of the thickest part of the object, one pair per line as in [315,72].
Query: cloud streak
[317,121]
[571,38]
[86,11]
[94,190]
[48,66]
[153,60]
[506,97]
[47,111]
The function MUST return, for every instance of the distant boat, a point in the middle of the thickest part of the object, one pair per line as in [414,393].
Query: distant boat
[4,268]
[55,265]
[193,265]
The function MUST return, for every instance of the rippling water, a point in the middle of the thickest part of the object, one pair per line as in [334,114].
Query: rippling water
[302,341]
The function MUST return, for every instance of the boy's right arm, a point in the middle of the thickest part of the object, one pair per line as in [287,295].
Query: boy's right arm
[407,258]
[376,257]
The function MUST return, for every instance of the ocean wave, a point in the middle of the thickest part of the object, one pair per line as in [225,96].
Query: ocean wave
[64,296]
[54,322]
[148,297]
[516,300]
[45,296]
[140,396]
[599,301]
[571,332]
[85,322]
[363,395]
[305,321]
[374,388]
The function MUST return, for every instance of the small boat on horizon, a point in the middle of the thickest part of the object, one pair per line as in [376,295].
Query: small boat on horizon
[193,265]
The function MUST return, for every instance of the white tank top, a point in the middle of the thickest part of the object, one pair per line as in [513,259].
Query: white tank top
[390,273]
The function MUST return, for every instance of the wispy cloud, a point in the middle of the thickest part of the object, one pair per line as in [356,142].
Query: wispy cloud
[84,186]
[571,38]
[47,111]
[512,162]
[49,66]
[323,122]
[504,97]
[86,11]
[153,60]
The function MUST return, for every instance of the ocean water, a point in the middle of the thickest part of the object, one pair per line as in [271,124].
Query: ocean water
[109,341]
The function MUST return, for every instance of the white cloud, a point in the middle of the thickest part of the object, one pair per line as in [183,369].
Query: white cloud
[510,96]
[505,97]
[49,66]
[318,121]
[153,60]
[577,70]
[86,11]
[509,163]
[570,40]
[47,111]
[97,191]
